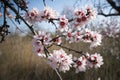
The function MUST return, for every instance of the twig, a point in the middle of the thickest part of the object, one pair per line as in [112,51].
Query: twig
[56,37]
[4,23]
[3,32]
[58,74]
[107,15]
[18,27]
[44,3]
[80,52]
[53,23]
[46,51]
[113,4]
[16,12]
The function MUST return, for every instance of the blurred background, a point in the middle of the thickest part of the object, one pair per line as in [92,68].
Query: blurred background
[18,62]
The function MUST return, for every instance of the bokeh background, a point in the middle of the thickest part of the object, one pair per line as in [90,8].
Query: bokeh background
[18,62]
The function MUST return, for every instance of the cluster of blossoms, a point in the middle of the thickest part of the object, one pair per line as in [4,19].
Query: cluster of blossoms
[80,18]
[48,13]
[39,41]
[63,24]
[83,16]
[86,35]
[92,37]
[43,39]
[35,15]
[86,62]
[59,59]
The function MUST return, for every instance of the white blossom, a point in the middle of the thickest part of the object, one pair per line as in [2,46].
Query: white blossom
[39,41]
[92,37]
[91,13]
[69,35]
[60,60]
[95,60]
[48,13]
[80,64]
[97,39]
[43,38]
[38,50]
[77,36]
[63,24]
[33,16]
[58,40]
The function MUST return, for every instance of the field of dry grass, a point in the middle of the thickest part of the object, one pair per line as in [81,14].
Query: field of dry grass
[18,62]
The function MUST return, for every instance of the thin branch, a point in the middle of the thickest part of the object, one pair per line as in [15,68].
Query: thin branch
[107,15]
[51,21]
[58,74]
[23,3]
[4,23]
[16,26]
[70,20]
[19,28]
[53,39]
[3,32]
[110,10]
[44,2]
[113,4]
[46,51]
[15,11]
[70,49]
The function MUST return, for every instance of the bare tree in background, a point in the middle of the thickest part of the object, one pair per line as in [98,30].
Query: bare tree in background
[113,7]
[104,7]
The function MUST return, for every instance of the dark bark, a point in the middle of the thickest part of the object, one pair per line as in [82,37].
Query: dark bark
[114,6]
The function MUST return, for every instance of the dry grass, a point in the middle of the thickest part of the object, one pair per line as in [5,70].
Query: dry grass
[17,62]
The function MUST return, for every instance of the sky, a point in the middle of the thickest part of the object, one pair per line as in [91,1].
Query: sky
[57,5]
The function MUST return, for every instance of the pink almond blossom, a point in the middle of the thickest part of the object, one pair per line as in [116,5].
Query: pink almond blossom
[80,64]
[33,16]
[48,13]
[60,60]
[95,60]
[63,24]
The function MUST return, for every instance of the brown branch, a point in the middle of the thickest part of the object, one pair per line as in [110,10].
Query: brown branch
[4,23]
[3,29]
[107,15]
[51,20]
[56,37]
[112,3]
[19,28]
[44,3]
[16,12]
[70,49]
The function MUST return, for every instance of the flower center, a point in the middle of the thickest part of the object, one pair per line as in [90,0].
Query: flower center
[62,24]
[78,63]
